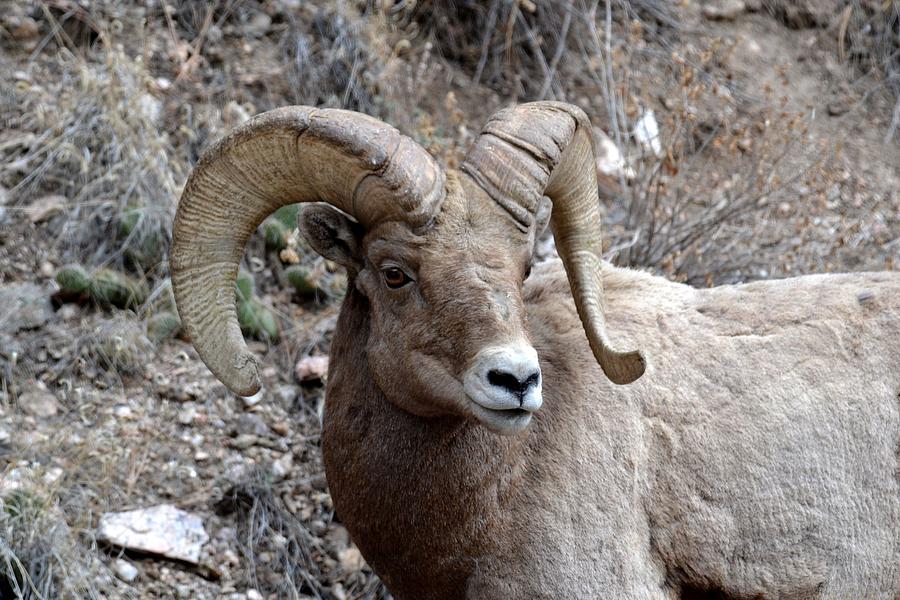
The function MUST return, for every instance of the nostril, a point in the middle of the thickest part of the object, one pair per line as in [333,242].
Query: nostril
[511,382]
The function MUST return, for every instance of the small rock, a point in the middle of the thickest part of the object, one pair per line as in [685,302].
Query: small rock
[351,560]
[45,207]
[251,423]
[258,25]
[124,570]
[281,468]
[52,475]
[244,441]
[312,368]
[25,306]
[402,47]
[163,530]
[5,436]
[122,411]
[69,312]
[285,394]
[47,269]
[838,107]
[646,131]
[338,593]
[253,595]
[39,403]
[186,415]
[610,160]
[26,29]
[282,428]
[723,10]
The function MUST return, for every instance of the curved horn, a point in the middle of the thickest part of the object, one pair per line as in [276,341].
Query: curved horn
[547,148]
[357,163]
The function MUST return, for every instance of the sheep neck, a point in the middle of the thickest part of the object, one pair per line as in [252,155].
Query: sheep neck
[408,488]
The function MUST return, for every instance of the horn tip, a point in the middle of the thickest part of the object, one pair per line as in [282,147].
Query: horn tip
[625,368]
[244,379]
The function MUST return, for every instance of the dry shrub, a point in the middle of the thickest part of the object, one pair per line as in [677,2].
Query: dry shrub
[724,163]
[869,39]
[91,132]
[41,557]
[333,58]
[521,48]
[264,525]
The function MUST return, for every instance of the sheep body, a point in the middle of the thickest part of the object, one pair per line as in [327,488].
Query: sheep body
[757,458]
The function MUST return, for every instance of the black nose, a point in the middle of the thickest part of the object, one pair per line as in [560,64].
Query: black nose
[510,382]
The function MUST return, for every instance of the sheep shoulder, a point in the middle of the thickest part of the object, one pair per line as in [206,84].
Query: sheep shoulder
[768,422]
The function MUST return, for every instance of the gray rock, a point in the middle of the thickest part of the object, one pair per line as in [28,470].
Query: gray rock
[723,10]
[25,306]
[163,530]
[251,423]
[124,570]
[39,403]
[258,25]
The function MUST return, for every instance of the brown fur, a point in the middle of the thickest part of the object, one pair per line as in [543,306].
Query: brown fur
[756,458]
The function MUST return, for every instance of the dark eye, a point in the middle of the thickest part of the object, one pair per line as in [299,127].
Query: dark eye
[394,277]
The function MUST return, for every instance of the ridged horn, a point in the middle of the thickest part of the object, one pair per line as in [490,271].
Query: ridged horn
[547,148]
[357,163]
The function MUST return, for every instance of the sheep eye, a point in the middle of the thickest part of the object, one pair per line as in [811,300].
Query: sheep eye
[395,278]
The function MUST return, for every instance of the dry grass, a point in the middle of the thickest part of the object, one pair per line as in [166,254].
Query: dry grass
[91,132]
[41,557]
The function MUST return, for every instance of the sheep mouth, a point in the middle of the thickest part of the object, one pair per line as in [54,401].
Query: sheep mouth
[503,421]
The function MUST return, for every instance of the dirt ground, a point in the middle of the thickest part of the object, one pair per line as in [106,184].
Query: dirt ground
[777,157]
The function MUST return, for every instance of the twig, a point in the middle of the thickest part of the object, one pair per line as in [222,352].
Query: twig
[560,48]
[486,40]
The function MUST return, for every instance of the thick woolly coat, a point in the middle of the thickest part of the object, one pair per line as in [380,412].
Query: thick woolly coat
[756,458]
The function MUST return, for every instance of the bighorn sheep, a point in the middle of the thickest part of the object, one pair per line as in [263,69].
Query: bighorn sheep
[757,457]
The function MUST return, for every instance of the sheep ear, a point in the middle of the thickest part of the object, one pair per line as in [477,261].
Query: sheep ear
[332,234]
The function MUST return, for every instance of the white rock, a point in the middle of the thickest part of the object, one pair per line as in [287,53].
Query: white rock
[253,595]
[609,158]
[125,571]
[150,108]
[4,436]
[351,560]
[52,475]
[723,10]
[122,411]
[281,468]
[163,530]
[646,131]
